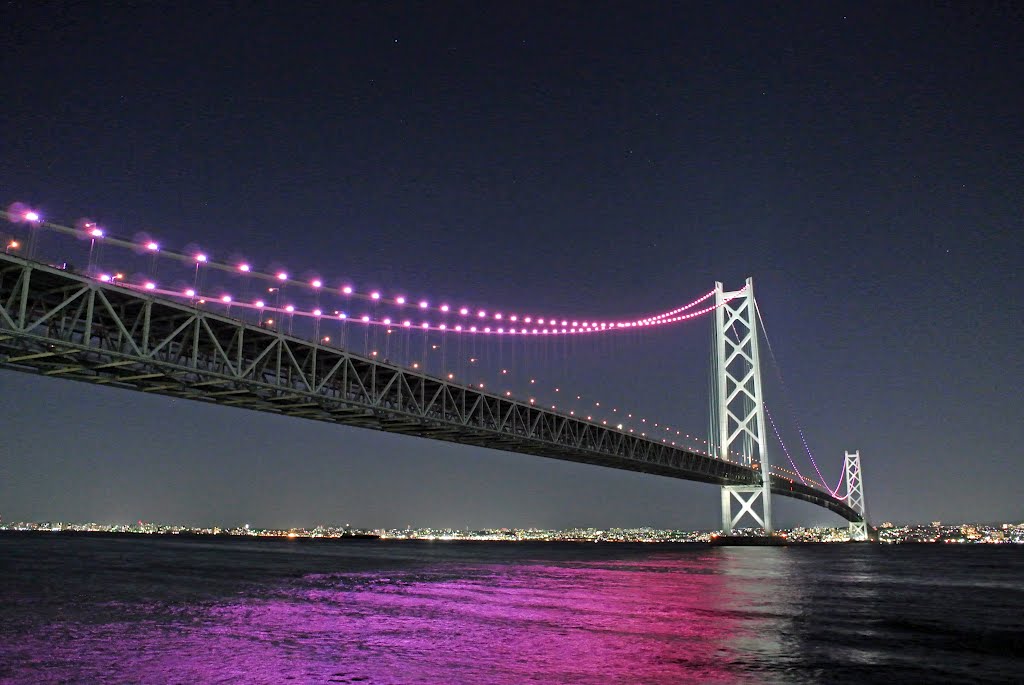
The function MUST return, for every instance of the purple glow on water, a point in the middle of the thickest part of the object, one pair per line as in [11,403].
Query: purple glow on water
[170,611]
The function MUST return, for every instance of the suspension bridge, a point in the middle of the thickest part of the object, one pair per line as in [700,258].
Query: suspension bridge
[196,342]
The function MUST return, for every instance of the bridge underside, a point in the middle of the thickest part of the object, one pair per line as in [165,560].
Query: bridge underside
[61,324]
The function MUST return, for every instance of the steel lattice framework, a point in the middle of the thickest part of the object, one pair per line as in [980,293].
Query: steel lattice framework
[741,418]
[855,497]
[62,324]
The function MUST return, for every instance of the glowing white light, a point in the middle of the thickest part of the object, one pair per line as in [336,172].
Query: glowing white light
[244,268]
[105,278]
[444,308]
[96,233]
[32,216]
[424,304]
[375,295]
[259,303]
[317,283]
[347,290]
[200,258]
[290,308]
[190,292]
[150,285]
[463,311]
[226,299]
[317,312]
[400,299]
[366,319]
[282,276]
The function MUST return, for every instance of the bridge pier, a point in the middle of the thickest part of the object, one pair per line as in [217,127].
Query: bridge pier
[747,496]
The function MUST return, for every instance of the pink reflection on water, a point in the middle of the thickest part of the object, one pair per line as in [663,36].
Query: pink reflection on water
[652,620]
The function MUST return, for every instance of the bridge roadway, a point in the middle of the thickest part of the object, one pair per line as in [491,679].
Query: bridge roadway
[64,325]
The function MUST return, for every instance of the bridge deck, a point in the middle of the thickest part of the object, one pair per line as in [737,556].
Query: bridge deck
[58,323]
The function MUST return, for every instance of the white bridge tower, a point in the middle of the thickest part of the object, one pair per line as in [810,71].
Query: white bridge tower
[855,494]
[740,405]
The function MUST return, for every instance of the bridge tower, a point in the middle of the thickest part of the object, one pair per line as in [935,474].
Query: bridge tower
[855,488]
[740,405]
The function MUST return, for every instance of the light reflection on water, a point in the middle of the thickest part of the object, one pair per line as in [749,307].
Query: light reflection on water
[169,612]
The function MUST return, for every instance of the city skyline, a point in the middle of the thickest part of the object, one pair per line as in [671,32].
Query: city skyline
[561,161]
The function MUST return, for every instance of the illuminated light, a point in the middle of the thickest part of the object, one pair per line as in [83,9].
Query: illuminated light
[96,233]
[317,283]
[508,394]
[534,331]
[565,323]
[487,329]
[481,386]
[415,365]
[451,376]
[501,330]
[150,285]
[528,320]
[619,426]
[407,323]
[424,325]
[513,318]
[387,322]
[347,290]
[463,311]
[504,370]
[201,258]
[290,308]
[374,353]
[282,276]
[497,317]
[365,319]
[226,299]
[269,321]
[533,401]
[32,216]
[105,278]
[14,245]
[245,268]
[442,327]
[540,321]
[424,304]
[190,292]
[533,380]
[572,413]
[400,299]
[574,323]
[472,360]
[472,329]
[326,339]
[444,308]
[458,328]
[481,314]
[342,315]
[317,312]
[259,303]
[375,295]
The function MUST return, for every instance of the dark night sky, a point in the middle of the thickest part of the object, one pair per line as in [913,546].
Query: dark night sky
[863,162]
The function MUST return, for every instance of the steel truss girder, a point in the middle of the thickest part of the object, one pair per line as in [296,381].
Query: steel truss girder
[55,322]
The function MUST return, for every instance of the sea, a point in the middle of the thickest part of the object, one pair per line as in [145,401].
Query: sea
[167,609]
